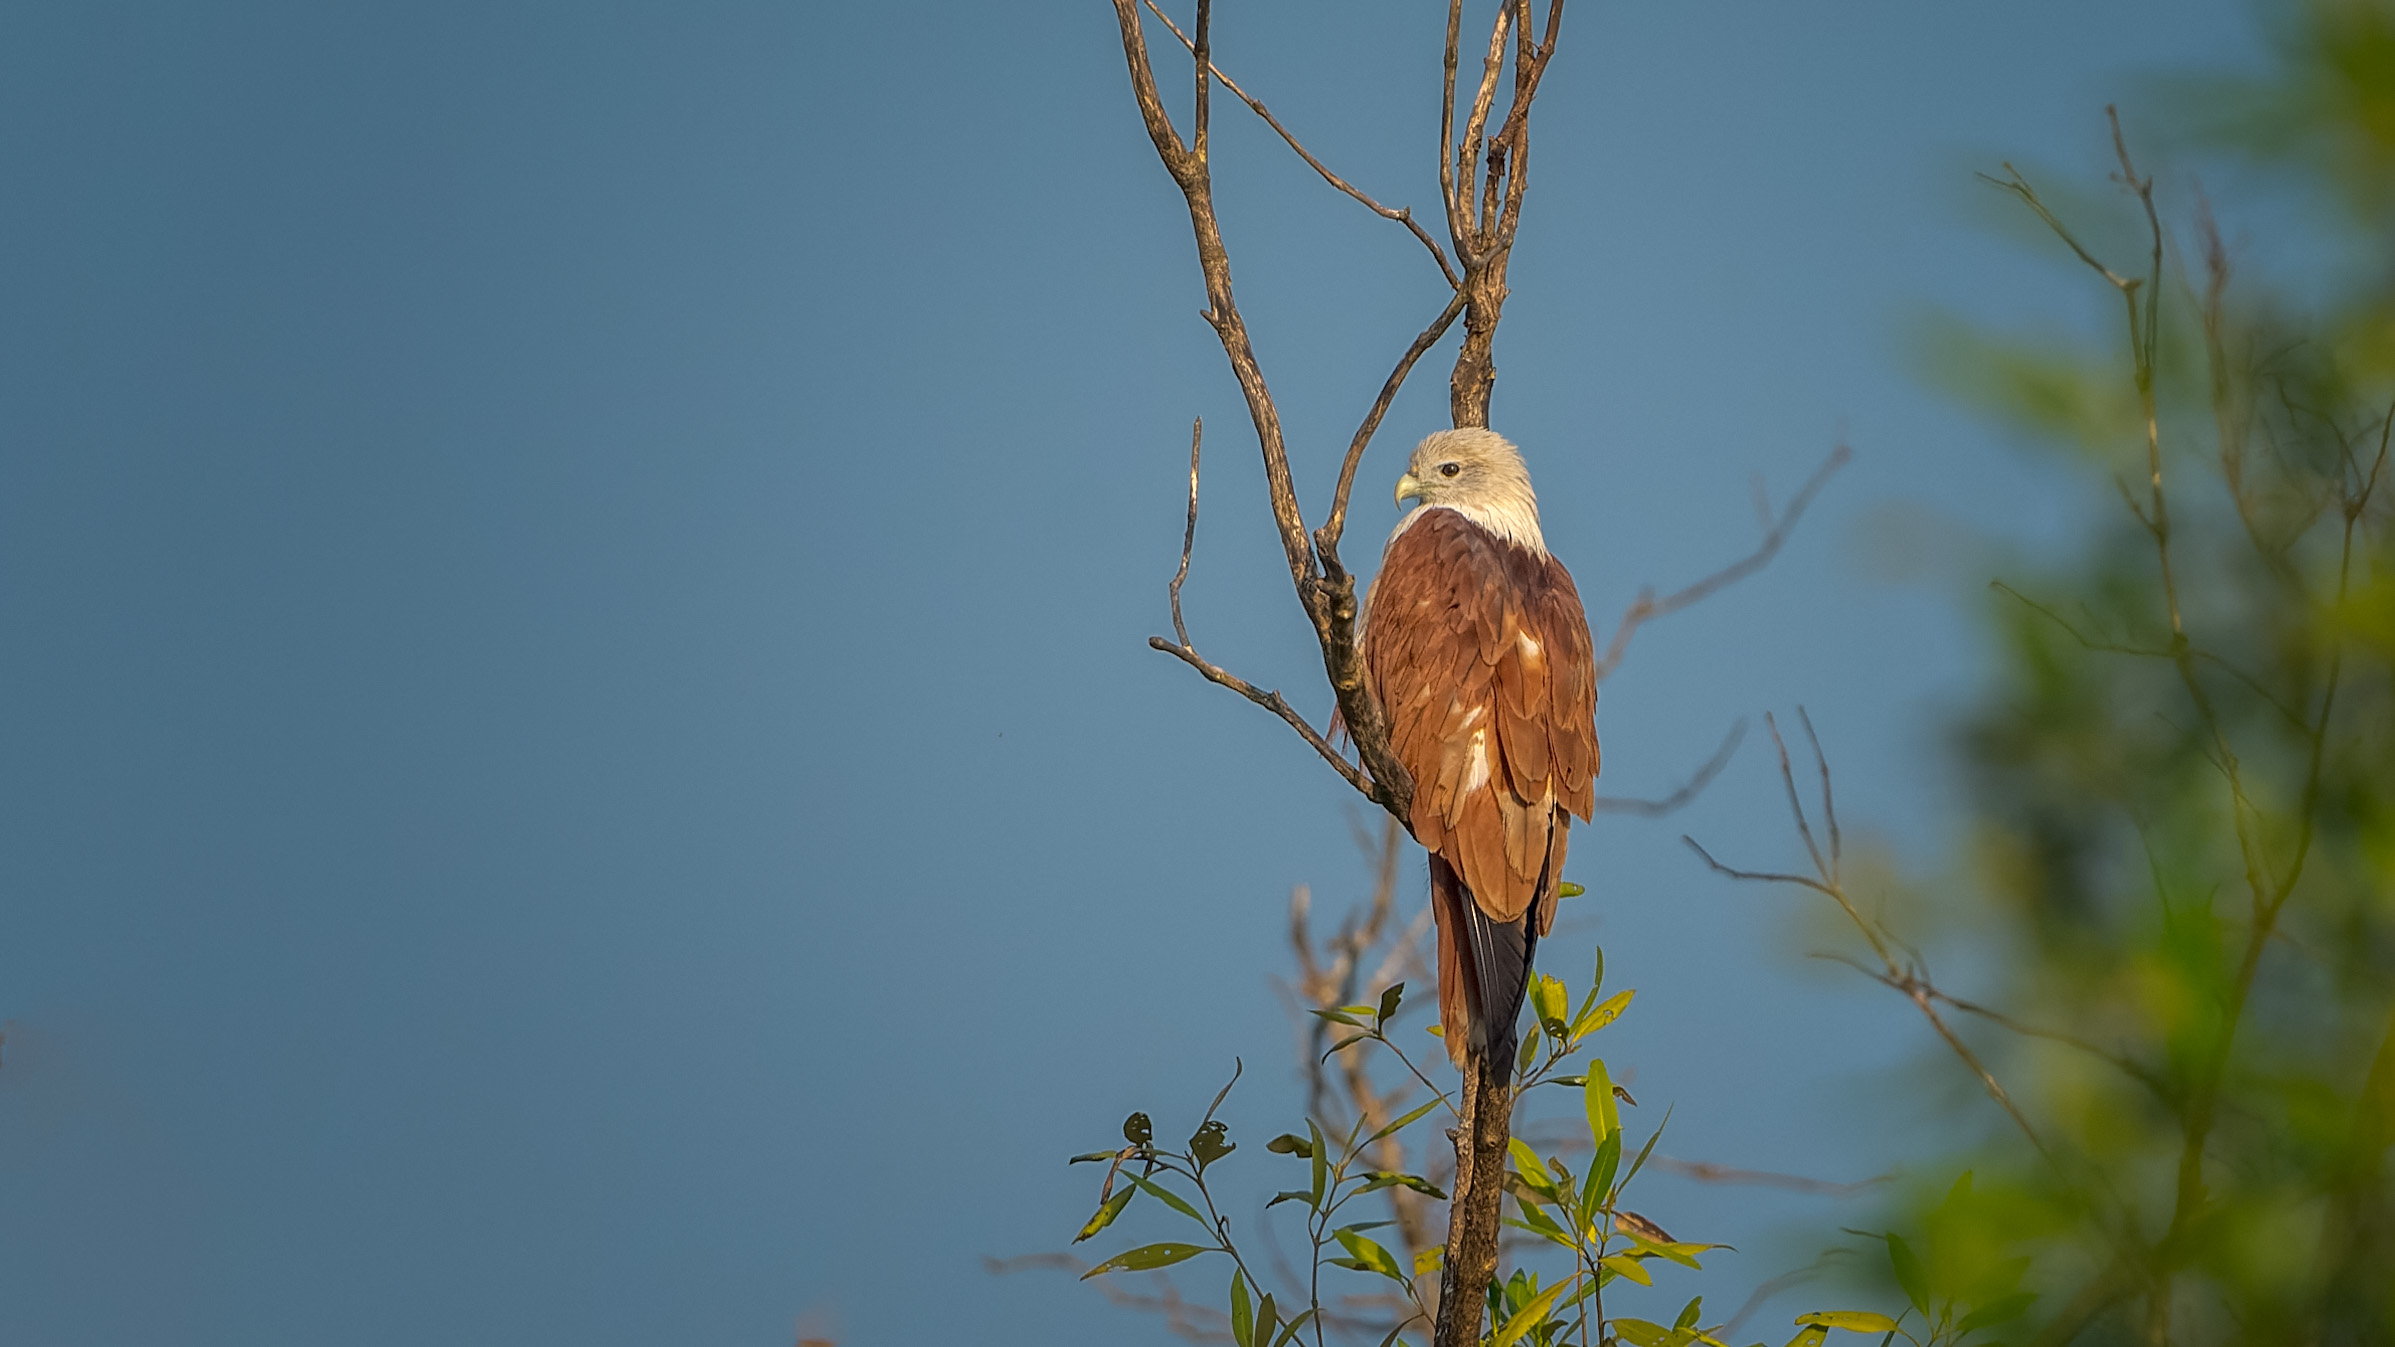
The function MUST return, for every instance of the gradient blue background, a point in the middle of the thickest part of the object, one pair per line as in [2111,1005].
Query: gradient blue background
[577,755]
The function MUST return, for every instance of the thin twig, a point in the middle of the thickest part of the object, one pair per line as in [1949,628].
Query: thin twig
[1689,790]
[1648,607]
[1403,214]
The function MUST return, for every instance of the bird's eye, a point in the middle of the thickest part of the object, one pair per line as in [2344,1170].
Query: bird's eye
[1450,469]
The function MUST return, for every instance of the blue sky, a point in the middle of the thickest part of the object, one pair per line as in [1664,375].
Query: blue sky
[582,760]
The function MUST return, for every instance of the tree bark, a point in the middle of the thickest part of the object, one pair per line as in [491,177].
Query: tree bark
[1473,1220]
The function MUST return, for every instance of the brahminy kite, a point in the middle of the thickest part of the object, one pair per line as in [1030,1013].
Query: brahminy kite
[1476,647]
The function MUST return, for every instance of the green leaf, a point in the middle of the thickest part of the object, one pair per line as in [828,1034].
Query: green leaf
[1289,1143]
[1811,1337]
[1689,1313]
[1429,1258]
[1853,1321]
[1370,1256]
[1600,1176]
[1293,1195]
[1342,1017]
[1289,1331]
[1169,1198]
[1683,1254]
[1541,1224]
[1598,1016]
[1348,1042]
[1529,1316]
[1087,1157]
[1402,1123]
[1210,1143]
[1628,1267]
[1527,1055]
[1909,1272]
[1548,1000]
[1604,1119]
[1567,889]
[1322,1164]
[2000,1311]
[1243,1313]
[1533,1171]
[1389,1001]
[1378,1179]
[1148,1256]
[1640,1333]
[1268,1318]
[1648,1149]
[1107,1211]
[1137,1130]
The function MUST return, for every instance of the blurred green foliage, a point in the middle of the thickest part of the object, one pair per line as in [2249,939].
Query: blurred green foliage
[2182,777]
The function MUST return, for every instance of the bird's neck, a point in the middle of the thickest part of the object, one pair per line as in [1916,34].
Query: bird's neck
[1512,518]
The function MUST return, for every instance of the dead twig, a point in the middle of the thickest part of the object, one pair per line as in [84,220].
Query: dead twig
[1648,607]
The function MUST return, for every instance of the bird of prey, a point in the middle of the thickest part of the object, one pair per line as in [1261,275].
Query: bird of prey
[1476,648]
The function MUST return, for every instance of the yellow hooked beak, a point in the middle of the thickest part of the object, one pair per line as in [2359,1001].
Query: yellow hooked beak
[1408,488]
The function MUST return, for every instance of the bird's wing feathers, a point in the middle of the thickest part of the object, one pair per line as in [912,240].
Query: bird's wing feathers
[1480,656]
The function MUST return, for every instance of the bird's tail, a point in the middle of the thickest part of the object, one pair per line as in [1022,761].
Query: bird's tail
[1484,970]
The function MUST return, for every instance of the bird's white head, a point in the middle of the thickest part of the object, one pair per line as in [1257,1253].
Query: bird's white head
[1478,474]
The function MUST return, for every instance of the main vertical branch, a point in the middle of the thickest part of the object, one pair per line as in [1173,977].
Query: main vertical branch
[1483,178]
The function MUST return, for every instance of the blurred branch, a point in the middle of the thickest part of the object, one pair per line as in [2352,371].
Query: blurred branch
[1707,1172]
[1689,790]
[1648,607]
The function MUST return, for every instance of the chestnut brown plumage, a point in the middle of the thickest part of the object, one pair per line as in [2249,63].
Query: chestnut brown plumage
[1476,647]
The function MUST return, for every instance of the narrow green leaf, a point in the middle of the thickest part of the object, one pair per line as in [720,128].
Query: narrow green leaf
[1381,1178]
[1628,1267]
[1243,1312]
[1532,1169]
[1604,1119]
[1293,1195]
[1527,1055]
[2000,1311]
[1372,1257]
[1289,1143]
[1289,1331]
[1092,1155]
[1268,1320]
[1602,1014]
[1148,1256]
[1348,1042]
[1640,1333]
[1107,1211]
[1599,1189]
[1853,1321]
[1341,1017]
[1322,1164]
[1402,1123]
[1909,1273]
[1541,1224]
[1648,1149]
[1389,1001]
[1530,1316]
[1392,1338]
[1689,1313]
[1169,1198]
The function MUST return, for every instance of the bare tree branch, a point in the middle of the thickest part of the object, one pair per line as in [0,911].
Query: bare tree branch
[1403,214]
[1689,790]
[1648,607]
